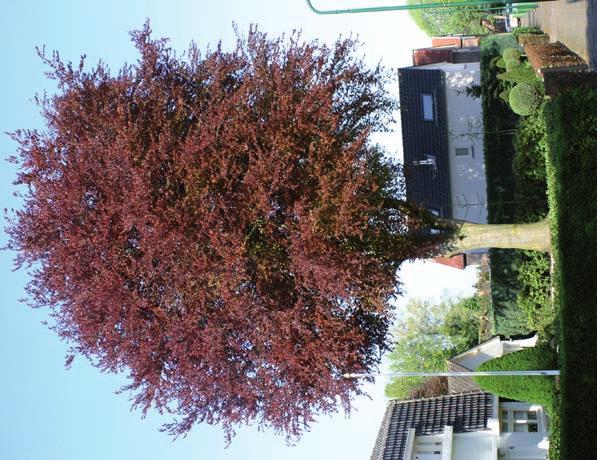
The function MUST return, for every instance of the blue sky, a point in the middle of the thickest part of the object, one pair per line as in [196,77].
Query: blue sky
[49,413]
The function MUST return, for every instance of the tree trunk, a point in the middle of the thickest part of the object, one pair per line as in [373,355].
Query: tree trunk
[533,236]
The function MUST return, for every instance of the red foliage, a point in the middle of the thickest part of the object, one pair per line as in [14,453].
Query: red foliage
[220,227]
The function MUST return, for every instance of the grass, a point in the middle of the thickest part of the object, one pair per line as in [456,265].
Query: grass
[572,169]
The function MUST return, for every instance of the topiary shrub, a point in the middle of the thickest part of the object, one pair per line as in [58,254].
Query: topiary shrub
[531,389]
[511,65]
[524,99]
[511,54]
[505,95]
[519,74]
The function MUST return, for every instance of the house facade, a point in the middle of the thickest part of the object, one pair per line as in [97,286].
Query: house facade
[467,423]
[466,426]
[443,140]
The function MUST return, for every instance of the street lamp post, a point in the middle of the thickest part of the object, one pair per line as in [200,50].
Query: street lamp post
[421,6]
[454,374]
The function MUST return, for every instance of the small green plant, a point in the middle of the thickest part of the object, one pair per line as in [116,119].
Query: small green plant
[505,95]
[511,54]
[533,39]
[525,99]
[534,297]
[526,30]
[519,74]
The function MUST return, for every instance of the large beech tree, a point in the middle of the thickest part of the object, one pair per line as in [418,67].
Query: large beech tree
[220,226]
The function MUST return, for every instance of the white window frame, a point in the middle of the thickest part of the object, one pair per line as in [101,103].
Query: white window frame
[509,422]
[427,107]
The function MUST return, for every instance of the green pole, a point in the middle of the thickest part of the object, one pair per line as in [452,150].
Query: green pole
[377,9]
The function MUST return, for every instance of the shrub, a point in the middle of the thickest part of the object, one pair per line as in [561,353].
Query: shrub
[533,39]
[534,297]
[531,389]
[525,99]
[505,95]
[519,74]
[430,387]
[518,31]
[511,65]
[511,54]
[466,21]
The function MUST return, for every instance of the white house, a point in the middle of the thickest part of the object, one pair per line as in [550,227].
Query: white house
[442,135]
[467,423]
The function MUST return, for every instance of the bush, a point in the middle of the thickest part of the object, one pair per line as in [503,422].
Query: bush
[533,39]
[511,65]
[466,21]
[518,31]
[430,387]
[572,136]
[511,54]
[519,74]
[525,99]
[531,389]
[534,298]
[529,169]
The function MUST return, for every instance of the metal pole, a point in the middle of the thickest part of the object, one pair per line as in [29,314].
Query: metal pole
[376,9]
[454,374]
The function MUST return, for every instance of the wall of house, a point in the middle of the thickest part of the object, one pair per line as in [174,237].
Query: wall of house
[465,132]
[465,128]
[522,446]
[474,446]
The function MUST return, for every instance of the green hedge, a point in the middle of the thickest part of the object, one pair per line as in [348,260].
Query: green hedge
[572,168]
[531,389]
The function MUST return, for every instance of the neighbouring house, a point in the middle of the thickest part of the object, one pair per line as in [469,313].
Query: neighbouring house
[442,136]
[467,423]
[456,49]
[461,261]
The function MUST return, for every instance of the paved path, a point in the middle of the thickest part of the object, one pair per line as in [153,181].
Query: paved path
[572,22]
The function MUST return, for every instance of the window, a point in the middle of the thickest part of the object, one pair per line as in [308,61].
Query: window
[428,448]
[427,101]
[462,151]
[518,420]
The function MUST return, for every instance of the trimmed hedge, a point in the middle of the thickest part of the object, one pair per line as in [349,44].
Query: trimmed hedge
[572,166]
[525,99]
[531,389]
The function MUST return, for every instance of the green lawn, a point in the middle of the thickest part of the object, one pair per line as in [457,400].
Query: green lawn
[572,178]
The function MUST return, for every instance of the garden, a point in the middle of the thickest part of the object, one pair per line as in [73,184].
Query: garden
[540,161]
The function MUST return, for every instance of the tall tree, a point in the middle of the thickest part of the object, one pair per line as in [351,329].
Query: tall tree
[220,226]
[425,336]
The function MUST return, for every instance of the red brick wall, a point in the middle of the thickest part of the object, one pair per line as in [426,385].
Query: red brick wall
[446,41]
[457,261]
[431,55]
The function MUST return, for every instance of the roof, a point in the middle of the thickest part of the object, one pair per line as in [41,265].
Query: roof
[460,384]
[426,167]
[464,412]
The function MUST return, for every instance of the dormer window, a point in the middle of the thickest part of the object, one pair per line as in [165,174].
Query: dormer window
[427,103]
